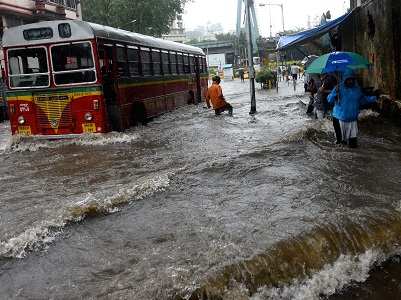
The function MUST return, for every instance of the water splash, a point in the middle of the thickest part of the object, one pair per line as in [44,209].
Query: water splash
[40,236]
[330,280]
[18,144]
[5,136]
[320,262]
[321,131]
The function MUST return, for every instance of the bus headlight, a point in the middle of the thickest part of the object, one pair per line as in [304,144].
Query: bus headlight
[21,120]
[88,117]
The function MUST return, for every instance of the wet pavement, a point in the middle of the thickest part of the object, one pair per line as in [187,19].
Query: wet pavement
[195,206]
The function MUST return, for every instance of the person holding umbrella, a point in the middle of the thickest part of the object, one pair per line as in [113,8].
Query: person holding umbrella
[347,99]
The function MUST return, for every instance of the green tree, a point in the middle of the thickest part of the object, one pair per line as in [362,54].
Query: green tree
[225,37]
[152,17]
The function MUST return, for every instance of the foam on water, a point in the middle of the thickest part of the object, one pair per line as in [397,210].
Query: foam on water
[32,239]
[321,262]
[310,130]
[5,136]
[17,144]
[40,236]
[322,129]
[368,114]
[330,280]
[103,204]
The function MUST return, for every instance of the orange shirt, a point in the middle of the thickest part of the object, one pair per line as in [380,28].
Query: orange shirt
[215,96]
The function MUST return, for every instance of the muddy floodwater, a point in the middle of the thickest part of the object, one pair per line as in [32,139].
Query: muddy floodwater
[195,206]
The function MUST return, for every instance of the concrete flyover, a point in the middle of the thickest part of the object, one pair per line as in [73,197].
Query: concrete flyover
[225,48]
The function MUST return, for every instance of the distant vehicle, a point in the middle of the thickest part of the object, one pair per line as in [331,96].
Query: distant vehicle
[228,71]
[256,64]
[72,77]
[256,60]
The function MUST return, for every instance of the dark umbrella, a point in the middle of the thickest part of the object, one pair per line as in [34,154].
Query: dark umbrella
[308,60]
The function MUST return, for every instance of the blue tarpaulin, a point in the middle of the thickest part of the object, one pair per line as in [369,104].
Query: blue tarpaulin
[303,37]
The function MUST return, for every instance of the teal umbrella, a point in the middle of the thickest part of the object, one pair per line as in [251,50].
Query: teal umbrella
[337,62]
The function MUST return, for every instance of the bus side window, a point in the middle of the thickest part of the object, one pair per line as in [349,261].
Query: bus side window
[106,59]
[146,62]
[199,59]
[122,65]
[180,63]
[165,63]
[186,64]
[173,62]
[133,61]
[101,58]
[157,68]
[192,64]
[204,62]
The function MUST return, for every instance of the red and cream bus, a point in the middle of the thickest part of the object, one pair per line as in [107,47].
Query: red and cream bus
[73,77]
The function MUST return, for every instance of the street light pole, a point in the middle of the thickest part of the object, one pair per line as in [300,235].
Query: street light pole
[250,57]
[282,14]
[207,50]
[270,18]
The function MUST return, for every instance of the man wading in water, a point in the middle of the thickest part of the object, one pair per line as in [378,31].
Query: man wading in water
[215,96]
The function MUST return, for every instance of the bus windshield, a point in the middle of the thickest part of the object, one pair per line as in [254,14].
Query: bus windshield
[73,63]
[28,67]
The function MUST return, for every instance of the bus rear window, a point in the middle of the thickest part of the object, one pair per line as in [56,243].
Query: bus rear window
[28,68]
[73,64]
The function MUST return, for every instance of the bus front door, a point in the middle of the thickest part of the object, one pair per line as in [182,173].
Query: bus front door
[110,88]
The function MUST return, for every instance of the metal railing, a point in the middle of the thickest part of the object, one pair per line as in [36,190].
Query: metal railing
[72,4]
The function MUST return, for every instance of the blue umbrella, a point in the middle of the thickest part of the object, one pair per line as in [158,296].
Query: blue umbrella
[337,62]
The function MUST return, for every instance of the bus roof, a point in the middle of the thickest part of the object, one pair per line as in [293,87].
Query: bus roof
[81,30]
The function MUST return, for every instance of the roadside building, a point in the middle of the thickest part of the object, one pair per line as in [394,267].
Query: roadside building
[19,12]
[375,32]
[177,31]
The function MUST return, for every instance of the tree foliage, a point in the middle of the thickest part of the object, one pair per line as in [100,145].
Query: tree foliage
[226,37]
[152,17]
[265,75]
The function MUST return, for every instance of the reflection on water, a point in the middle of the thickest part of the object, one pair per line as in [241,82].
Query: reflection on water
[195,206]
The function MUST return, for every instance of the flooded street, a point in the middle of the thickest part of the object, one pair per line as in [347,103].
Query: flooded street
[195,206]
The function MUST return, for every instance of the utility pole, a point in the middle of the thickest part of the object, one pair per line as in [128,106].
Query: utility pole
[254,23]
[248,3]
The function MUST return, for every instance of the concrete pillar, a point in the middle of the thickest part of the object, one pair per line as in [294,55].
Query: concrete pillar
[79,10]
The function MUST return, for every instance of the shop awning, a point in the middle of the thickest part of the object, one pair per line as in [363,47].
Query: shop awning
[306,36]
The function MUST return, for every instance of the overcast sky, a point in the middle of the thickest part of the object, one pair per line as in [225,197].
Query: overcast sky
[296,12]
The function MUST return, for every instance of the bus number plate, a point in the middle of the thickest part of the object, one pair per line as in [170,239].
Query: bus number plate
[24,130]
[89,127]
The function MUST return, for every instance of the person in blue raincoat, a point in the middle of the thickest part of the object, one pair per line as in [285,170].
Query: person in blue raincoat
[347,99]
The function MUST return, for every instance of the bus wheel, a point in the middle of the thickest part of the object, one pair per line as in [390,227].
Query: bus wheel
[139,113]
